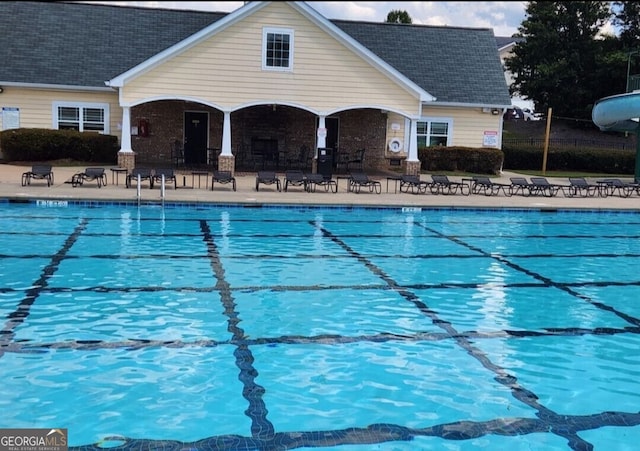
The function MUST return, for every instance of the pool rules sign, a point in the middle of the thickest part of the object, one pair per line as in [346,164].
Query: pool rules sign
[33,440]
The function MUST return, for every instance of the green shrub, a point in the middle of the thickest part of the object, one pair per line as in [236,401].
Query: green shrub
[463,159]
[598,160]
[38,144]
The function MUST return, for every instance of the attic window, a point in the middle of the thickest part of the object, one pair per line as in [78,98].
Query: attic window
[277,49]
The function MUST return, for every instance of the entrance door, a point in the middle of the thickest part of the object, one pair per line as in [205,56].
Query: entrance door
[196,137]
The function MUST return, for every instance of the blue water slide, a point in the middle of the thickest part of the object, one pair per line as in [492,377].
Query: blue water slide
[620,113]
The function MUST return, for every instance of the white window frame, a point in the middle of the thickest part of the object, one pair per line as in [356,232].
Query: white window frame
[429,134]
[265,35]
[81,106]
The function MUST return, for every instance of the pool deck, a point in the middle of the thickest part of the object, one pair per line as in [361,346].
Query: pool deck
[10,188]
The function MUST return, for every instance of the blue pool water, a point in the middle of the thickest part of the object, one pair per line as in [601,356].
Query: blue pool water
[236,328]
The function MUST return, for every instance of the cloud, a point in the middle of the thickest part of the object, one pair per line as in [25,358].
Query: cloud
[503,17]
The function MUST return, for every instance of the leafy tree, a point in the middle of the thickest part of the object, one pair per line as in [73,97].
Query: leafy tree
[627,18]
[398,16]
[558,64]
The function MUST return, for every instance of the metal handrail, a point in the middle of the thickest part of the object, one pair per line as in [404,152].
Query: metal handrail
[139,194]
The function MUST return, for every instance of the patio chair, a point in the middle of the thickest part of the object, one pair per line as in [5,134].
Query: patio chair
[314,180]
[223,177]
[618,187]
[38,172]
[143,173]
[90,174]
[294,177]
[169,176]
[359,180]
[542,186]
[486,186]
[580,187]
[267,178]
[301,160]
[357,160]
[441,184]
[413,183]
[520,186]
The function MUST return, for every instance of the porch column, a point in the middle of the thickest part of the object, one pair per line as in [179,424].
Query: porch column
[226,160]
[322,137]
[126,155]
[413,162]
[321,141]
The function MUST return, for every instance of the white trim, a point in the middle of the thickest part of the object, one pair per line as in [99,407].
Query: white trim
[430,120]
[80,105]
[274,30]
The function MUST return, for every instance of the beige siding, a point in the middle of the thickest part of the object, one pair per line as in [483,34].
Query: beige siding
[36,105]
[469,124]
[226,70]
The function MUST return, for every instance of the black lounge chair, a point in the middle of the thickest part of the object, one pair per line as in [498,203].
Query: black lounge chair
[267,178]
[580,187]
[359,180]
[542,186]
[441,184]
[294,177]
[169,177]
[90,174]
[143,173]
[223,177]
[314,180]
[620,188]
[486,186]
[520,186]
[413,183]
[38,172]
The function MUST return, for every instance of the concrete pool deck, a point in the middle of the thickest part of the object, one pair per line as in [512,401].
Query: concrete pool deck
[11,175]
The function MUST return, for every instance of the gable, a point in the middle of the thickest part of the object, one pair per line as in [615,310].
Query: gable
[326,75]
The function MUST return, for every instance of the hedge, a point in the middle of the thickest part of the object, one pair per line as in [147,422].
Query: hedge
[462,159]
[39,144]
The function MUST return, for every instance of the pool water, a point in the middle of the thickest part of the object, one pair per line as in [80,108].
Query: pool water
[237,328]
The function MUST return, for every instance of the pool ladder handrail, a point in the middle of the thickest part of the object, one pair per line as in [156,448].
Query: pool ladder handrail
[162,190]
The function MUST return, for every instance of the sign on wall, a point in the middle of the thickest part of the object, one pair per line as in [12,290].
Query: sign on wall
[490,139]
[10,118]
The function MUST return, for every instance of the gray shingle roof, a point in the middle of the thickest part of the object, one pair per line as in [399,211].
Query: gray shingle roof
[85,45]
[75,44]
[460,65]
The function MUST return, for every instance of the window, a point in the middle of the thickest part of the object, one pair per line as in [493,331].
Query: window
[433,133]
[277,49]
[81,117]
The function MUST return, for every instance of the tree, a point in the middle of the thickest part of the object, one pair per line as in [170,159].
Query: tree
[559,60]
[627,17]
[398,16]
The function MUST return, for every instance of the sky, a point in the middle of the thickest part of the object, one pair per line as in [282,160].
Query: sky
[503,17]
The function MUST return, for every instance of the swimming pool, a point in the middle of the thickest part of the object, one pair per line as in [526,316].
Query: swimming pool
[239,328]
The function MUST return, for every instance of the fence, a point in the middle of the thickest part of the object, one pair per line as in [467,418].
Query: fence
[568,143]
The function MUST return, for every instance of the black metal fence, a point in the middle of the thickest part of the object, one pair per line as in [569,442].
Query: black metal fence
[565,143]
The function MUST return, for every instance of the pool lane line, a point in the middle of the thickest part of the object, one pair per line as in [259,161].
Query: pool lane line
[17,317]
[556,422]
[261,427]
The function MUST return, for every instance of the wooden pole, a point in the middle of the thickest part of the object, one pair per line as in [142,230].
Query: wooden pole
[546,143]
